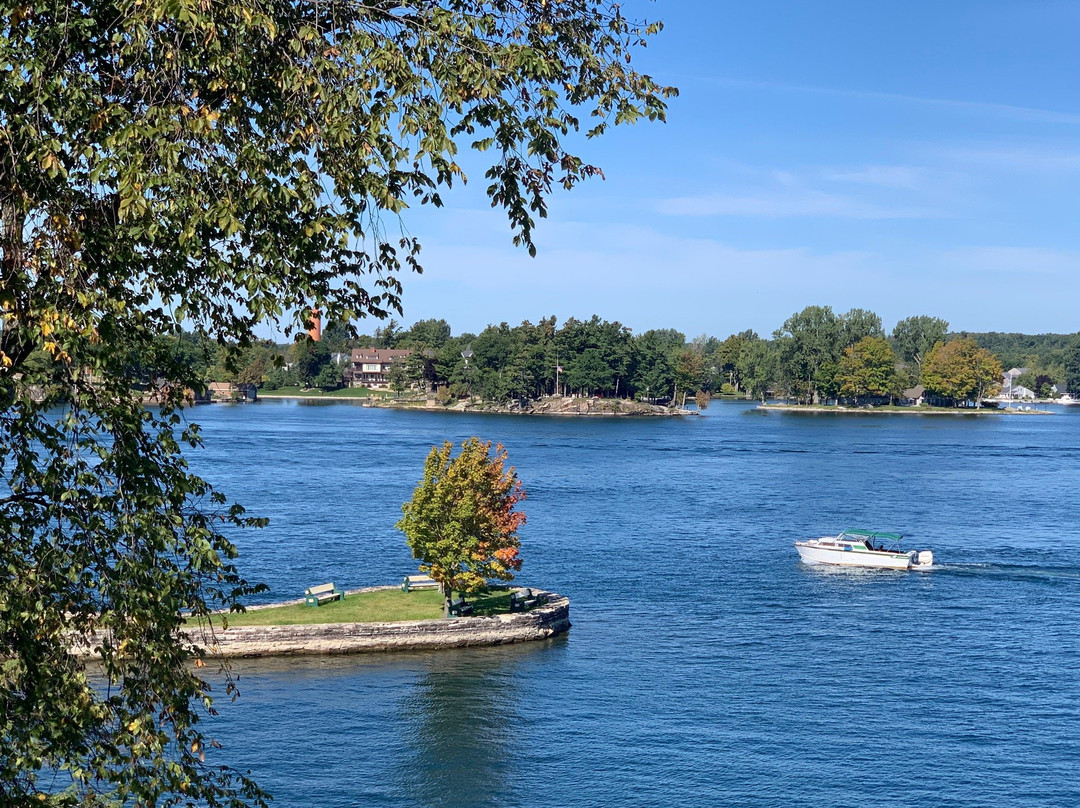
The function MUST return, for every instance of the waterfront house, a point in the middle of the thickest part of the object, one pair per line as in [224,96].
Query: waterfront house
[1009,387]
[913,396]
[227,391]
[370,367]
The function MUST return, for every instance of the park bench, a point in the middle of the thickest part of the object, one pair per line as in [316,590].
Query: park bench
[522,600]
[410,582]
[324,593]
[459,608]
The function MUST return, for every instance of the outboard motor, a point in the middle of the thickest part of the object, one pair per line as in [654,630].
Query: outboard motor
[926,558]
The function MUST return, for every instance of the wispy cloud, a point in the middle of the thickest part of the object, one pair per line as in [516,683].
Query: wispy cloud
[1009,260]
[639,275]
[1010,111]
[648,278]
[1036,158]
[789,204]
[907,178]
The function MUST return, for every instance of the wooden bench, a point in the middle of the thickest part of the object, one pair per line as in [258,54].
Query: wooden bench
[459,608]
[522,600]
[324,593]
[410,582]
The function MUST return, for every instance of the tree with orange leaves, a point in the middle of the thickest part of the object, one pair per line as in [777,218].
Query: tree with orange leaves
[461,523]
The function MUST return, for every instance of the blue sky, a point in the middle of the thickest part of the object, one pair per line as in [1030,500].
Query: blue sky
[905,157]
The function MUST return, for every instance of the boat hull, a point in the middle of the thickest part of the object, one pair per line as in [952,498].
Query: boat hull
[842,557]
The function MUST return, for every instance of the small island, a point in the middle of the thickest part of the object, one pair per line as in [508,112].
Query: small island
[368,620]
[381,619]
[461,525]
[548,405]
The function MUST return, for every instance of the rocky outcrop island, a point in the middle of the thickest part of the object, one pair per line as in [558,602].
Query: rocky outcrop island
[549,405]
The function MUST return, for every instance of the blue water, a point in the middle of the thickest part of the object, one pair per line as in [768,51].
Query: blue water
[707,665]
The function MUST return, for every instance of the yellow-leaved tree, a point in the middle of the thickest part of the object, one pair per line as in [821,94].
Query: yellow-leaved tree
[960,370]
[461,522]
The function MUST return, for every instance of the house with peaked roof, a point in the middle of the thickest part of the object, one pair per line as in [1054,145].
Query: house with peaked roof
[370,367]
[913,396]
[1009,387]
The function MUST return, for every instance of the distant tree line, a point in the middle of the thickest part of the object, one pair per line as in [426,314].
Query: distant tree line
[816,355]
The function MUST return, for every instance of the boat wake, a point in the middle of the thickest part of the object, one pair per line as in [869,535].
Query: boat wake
[1029,573]
[1017,572]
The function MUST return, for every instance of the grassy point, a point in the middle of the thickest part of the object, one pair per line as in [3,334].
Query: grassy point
[381,606]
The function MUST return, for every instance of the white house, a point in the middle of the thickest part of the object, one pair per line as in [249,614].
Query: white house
[1009,387]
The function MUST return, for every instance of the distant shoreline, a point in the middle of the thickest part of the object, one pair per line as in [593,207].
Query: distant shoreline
[838,410]
[582,407]
[343,399]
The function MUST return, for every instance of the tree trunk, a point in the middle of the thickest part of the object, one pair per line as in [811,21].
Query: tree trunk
[12,223]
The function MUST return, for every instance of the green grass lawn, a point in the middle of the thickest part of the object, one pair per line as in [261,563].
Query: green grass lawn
[344,392]
[383,606]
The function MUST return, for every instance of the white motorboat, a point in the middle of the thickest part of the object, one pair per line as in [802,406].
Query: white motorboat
[864,548]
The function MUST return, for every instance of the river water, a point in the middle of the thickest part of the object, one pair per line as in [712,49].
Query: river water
[707,665]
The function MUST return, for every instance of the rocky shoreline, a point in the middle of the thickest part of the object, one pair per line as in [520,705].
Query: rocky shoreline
[358,638]
[551,405]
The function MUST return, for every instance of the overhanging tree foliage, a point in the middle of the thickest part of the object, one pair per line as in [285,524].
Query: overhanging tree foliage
[217,165]
[461,523]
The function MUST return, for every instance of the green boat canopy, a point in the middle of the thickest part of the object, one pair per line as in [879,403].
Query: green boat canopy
[873,534]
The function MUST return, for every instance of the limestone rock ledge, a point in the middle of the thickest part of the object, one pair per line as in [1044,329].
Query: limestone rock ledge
[357,638]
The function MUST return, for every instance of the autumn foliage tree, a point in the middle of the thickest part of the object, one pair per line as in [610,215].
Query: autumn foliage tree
[461,522]
[868,368]
[961,370]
